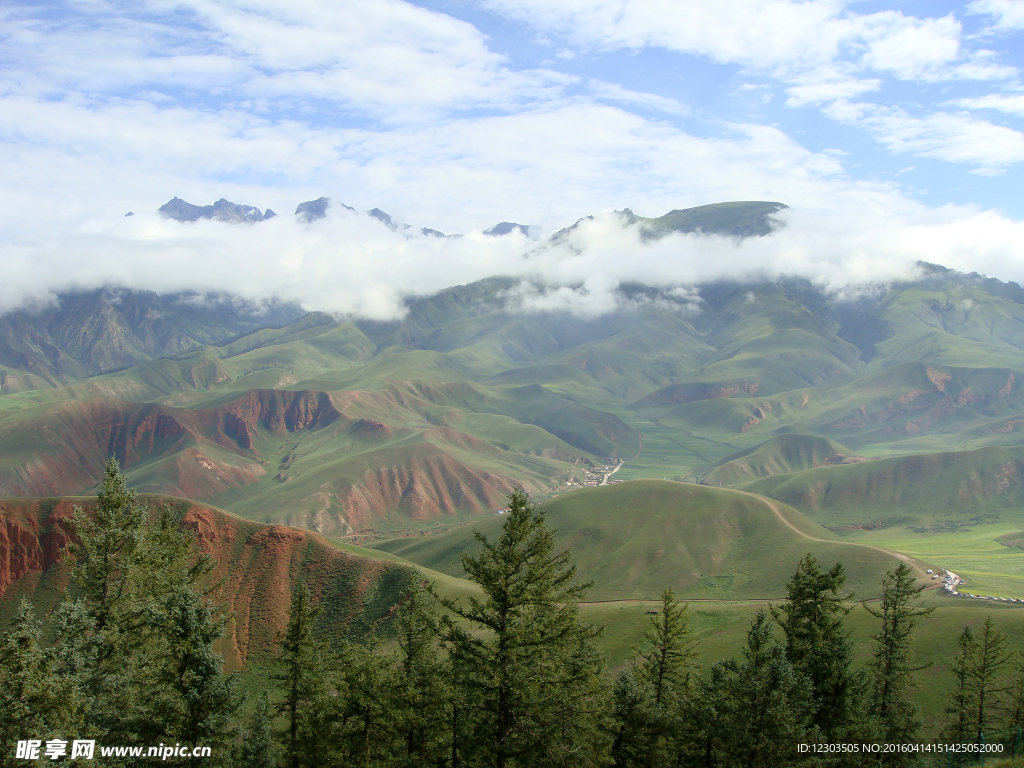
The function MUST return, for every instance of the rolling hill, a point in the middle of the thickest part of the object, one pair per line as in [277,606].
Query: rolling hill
[634,539]
[782,454]
[917,489]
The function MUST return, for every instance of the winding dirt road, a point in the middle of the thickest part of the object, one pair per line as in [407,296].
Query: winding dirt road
[914,563]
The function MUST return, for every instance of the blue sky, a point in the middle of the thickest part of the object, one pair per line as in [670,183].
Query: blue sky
[456,114]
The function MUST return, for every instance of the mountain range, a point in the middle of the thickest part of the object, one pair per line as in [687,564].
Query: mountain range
[735,219]
[736,413]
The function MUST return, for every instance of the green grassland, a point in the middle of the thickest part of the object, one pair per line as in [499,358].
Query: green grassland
[720,625]
[635,538]
[721,629]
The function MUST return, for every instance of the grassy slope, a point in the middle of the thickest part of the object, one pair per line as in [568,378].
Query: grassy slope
[780,455]
[721,626]
[922,486]
[634,539]
[949,508]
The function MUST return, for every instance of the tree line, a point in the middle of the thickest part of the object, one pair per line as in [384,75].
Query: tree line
[513,678]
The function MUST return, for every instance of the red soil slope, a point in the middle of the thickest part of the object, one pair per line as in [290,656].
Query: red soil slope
[75,438]
[257,566]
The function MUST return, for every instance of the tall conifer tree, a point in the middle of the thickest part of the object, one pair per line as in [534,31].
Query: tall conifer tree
[818,645]
[531,673]
[300,672]
[36,700]
[423,688]
[960,709]
[139,625]
[107,629]
[651,691]
[764,703]
[989,659]
[257,748]
[889,704]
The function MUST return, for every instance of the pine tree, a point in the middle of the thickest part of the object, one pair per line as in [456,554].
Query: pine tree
[649,693]
[138,628]
[763,703]
[703,722]
[300,671]
[201,703]
[894,714]
[257,750]
[975,705]
[818,646]
[637,721]
[1014,708]
[989,658]
[424,690]
[670,648]
[36,700]
[367,736]
[531,674]
[961,705]
[105,627]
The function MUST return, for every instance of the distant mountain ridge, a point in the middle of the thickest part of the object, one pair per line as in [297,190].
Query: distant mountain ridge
[91,332]
[344,425]
[222,210]
[735,219]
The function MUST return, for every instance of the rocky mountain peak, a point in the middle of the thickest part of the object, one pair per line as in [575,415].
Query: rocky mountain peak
[506,227]
[222,210]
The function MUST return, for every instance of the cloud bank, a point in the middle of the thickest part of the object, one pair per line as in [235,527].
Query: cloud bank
[351,264]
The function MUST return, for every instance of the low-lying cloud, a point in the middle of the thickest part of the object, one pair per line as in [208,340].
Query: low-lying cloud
[351,264]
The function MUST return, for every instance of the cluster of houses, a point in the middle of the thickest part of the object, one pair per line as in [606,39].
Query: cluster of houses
[950,582]
[596,476]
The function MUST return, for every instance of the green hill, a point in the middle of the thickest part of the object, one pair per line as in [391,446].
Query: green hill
[781,455]
[634,539]
[737,219]
[922,488]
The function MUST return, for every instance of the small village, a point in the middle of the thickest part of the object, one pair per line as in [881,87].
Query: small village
[601,475]
[598,475]
[950,582]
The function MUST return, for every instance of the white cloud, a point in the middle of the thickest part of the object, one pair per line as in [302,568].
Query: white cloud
[788,38]
[910,48]
[111,108]
[1008,14]
[822,51]
[614,92]
[1012,104]
[952,137]
[387,58]
[597,296]
[829,89]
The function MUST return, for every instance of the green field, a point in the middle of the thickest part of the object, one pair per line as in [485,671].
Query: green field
[720,626]
[635,538]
